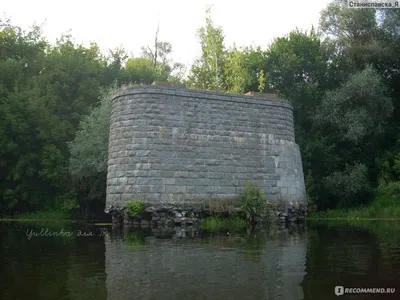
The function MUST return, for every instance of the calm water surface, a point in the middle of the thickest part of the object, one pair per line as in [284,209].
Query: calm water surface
[301,263]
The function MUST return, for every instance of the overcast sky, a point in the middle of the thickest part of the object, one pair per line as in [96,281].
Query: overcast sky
[133,23]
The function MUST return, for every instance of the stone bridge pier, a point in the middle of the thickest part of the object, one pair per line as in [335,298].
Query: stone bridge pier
[173,147]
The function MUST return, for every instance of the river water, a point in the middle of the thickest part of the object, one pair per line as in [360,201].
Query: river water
[78,261]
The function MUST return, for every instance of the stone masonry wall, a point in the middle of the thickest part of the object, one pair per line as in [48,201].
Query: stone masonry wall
[171,147]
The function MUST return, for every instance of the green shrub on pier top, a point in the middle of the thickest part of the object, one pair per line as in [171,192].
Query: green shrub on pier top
[135,208]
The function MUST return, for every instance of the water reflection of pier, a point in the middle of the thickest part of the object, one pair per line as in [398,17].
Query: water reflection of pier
[260,266]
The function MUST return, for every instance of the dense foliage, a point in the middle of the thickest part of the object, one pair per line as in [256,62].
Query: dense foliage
[54,116]
[342,78]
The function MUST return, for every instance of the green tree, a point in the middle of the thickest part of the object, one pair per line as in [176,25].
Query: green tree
[358,108]
[89,149]
[353,40]
[355,118]
[159,54]
[207,72]
[43,97]
[350,186]
[140,70]
[89,152]
[245,70]
[114,63]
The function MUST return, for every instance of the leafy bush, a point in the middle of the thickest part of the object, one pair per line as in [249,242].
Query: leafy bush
[351,186]
[89,149]
[358,108]
[252,202]
[390,189]
[135,208]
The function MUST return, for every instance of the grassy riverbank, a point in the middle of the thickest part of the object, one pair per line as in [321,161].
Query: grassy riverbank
[383,207]
[38,216]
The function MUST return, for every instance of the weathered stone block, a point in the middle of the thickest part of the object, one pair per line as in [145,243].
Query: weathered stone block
[145,188]
[168,181]
[181,174]
[175,189]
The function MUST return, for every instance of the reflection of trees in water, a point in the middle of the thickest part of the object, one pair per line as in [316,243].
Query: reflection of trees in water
[51,267]
[253,265]
[29,274]
[353,255]
[86,271]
